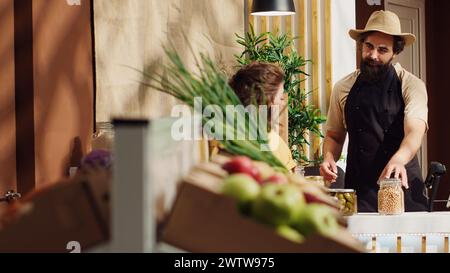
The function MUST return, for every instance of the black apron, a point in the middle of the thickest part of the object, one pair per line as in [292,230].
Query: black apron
[374,115]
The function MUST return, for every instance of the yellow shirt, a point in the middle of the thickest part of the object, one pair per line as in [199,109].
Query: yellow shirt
[281,150]
[276,144]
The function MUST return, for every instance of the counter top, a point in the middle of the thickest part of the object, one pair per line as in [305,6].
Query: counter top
[409,222]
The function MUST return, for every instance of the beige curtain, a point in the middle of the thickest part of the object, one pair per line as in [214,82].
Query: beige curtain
[133,33]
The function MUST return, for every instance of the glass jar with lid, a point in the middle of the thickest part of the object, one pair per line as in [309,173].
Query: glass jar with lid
[103,137]
[318,180]
[391,200]
[299,170]
[347,200]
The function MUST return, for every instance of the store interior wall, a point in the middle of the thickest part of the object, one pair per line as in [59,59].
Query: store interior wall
[63,94]
[343,49]
[8,177]
[438,59]
[46,92]
[63,86]
[312,26]
[132,35]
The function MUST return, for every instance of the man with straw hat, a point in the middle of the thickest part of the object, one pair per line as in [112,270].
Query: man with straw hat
[383,108]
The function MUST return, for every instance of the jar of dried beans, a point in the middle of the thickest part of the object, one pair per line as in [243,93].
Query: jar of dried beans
[391,199]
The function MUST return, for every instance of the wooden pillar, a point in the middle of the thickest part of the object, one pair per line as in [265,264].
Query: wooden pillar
[438,57]
[47,90]
[24,87]
[7,101]
[63,86]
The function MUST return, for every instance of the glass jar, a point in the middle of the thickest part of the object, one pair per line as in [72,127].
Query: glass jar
[300,170]
[347,199]
[104,136]
[391,200]
[318,180]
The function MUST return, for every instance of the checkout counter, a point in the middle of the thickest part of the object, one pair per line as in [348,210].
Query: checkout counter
[410,232]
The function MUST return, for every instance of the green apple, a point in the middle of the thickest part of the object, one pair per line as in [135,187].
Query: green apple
[290,233]
[242,187]
[277,204]
[316,218]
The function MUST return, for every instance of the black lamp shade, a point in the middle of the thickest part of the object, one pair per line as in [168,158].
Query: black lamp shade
[273,7]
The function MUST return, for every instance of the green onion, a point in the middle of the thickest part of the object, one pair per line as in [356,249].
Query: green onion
[212,86]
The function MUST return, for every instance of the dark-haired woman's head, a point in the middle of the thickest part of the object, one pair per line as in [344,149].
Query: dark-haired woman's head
[259,83]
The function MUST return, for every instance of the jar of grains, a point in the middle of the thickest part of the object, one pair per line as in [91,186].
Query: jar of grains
[391,199]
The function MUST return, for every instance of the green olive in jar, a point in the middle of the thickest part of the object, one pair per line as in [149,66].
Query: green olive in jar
[349,197]
[346,199]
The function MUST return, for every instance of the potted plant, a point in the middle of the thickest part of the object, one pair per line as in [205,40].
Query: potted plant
[303,117]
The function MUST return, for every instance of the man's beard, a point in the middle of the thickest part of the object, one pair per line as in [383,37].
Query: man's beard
[373,71]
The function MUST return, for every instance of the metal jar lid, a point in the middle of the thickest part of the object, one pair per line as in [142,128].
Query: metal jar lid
[389,181]
[341,190]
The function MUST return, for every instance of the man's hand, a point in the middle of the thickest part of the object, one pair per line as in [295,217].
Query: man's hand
[328,170]
[414,131]
[399,171]
[332,148]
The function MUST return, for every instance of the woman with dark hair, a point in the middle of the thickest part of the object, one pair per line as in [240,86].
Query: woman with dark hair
[261,83]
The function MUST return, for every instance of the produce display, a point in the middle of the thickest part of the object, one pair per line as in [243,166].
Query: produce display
[98,157]
[292,206]
[278,204]
[262,186]
[316,218]
[242,164]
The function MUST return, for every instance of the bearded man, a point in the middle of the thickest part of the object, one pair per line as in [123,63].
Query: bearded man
[383,108]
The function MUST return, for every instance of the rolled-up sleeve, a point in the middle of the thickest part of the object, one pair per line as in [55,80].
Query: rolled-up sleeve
[335,118]
[415,98]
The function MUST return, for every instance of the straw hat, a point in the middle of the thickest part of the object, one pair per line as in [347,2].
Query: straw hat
[385,22]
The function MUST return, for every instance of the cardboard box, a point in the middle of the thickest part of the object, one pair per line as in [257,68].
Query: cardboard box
[203,220]
[49,219]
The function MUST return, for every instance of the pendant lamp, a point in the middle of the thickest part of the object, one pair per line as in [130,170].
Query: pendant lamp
[273,7]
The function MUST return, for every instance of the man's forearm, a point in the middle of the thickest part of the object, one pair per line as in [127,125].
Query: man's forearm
[408,148]
[414,132]
[332,148]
